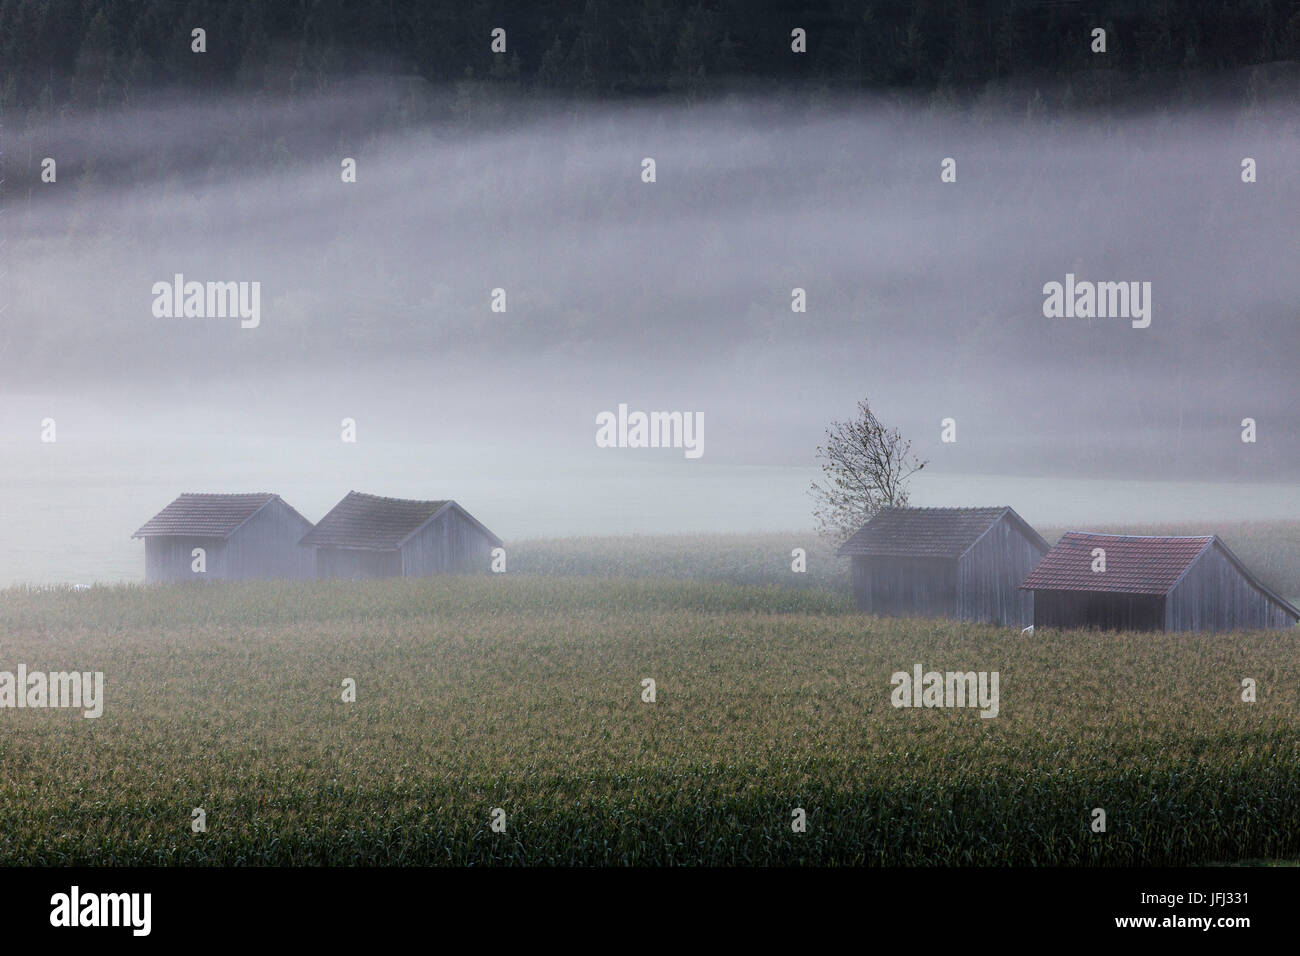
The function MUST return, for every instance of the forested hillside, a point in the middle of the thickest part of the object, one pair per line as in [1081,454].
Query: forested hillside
[57,53]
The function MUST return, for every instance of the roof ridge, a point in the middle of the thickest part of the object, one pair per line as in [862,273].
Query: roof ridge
[1146,537]
[946,508]
[423,501]
[228,494]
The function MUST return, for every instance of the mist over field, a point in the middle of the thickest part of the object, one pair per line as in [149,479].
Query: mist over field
[512,401]
[926,297]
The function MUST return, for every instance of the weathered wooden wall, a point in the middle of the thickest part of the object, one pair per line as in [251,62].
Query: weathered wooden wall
[1214,596]
[1102,609]
[982,585]
[989,576]
[169,558]
[357,563]
[905,587]
[450,544]
[265,547]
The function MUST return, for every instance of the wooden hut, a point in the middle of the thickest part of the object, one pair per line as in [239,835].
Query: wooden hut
[366,536]
[241,537]
[963,563]
[1149,584]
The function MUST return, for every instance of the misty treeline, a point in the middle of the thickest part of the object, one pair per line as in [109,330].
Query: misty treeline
[85,54]
[68,68]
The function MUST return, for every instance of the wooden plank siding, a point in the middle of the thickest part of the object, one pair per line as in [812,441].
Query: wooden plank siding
[169,559]
[905,586]
[267,546]
[963,563]
[1213,595]
[1107,610]
[448,544]
[357,563]
[264,547]
[989,576]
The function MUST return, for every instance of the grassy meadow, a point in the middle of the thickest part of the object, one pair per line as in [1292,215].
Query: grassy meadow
[523,691]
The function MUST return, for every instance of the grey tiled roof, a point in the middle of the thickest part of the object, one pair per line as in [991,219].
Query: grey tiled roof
[371,522]
[928,532]
[201,515]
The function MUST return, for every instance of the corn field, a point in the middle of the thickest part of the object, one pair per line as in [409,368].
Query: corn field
[524,693]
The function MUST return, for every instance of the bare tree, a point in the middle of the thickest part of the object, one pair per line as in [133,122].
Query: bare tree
[865,467]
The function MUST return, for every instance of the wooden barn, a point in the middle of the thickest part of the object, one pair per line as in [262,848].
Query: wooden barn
[242,537]
[366,536]
[963,563]
[1151,584]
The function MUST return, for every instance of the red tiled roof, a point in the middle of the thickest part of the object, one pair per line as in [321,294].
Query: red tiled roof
[205,516]
[1134,564]
[928,532]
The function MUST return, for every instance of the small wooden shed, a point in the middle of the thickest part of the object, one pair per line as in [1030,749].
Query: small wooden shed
[1149,583]
[242,536]
[962,563]
[368,536]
